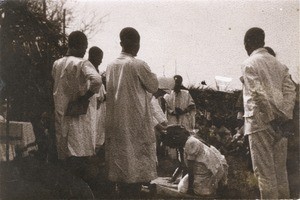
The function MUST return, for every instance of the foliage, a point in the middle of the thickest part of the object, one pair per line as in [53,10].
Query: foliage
[221,105]
[29,45]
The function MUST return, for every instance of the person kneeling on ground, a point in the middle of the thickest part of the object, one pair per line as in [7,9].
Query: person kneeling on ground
[206,166]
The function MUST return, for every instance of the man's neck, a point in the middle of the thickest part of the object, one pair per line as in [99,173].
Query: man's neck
[177,91]
[128,51]
[74,52]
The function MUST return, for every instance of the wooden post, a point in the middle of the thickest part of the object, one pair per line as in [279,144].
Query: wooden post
[7,128]
[64,27]
[44,8]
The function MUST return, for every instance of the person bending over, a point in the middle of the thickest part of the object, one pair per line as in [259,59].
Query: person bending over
[206,166]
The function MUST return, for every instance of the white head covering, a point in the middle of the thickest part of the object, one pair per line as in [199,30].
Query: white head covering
[166,83]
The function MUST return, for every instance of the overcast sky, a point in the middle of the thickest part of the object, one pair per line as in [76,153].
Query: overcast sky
[201,39]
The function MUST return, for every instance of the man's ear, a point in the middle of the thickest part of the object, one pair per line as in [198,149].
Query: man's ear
[121,44]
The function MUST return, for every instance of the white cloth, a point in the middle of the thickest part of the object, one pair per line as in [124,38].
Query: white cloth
[158,115]
[21,137]
[268,91]
[195,150]
[269,164]
[181,100]
[100,122]
[73,77]
[210,167]
[130,153]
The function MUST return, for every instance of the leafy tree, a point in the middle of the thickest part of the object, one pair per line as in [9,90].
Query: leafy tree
[29,45]
[31,39]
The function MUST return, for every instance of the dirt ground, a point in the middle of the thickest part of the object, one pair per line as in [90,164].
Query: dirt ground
[241,182]
[29,178]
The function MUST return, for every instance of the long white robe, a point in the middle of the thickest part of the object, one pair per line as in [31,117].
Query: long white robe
[130,153]
[72,78]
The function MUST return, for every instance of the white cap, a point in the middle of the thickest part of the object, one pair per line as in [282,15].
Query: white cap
[166,83]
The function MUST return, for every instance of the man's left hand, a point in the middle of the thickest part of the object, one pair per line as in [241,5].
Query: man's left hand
[179,111]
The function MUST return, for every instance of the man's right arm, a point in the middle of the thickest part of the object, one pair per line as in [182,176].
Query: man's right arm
[289,95]
[148,79]
[256,96]
[94,77]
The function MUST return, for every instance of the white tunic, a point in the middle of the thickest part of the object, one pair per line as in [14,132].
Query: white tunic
[268,91]
[181,100]
[158,115]
[72,78]
[210,167]
[100,123]
[130,153]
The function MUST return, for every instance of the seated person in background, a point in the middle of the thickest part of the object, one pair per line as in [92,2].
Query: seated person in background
[206,166]
[204,128]
[221,136]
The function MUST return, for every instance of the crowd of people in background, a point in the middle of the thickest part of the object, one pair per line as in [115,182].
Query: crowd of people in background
[135,117]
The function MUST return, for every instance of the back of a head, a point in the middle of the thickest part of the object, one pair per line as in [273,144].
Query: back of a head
[95,52]
[175,137]
[129,36]
[77,40]
[255,37]
[129,33]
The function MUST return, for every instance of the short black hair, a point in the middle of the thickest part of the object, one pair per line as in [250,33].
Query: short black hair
[255,36]
[175,137]
[95,51]
[129,34]
[178,78]
[77,40]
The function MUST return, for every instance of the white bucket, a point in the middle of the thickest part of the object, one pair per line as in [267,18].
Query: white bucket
[166,83]
[222,83]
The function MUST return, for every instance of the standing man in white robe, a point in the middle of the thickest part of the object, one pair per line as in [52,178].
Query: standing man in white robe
[130,153]
[181,108]
[75,80]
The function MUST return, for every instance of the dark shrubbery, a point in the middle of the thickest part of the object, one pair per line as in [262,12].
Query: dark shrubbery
[29,45]
[220,105]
